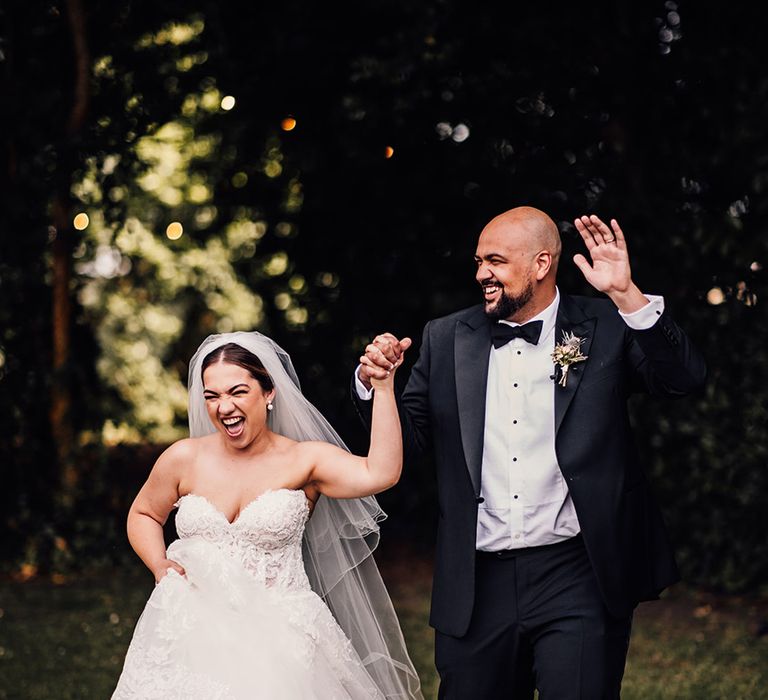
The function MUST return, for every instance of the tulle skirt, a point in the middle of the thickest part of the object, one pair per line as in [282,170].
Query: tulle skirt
[218,634]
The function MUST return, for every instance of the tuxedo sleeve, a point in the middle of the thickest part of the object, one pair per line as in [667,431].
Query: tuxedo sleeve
[412,404]
[664,360]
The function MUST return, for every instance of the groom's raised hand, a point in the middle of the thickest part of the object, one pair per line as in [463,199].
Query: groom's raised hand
[382,355]
[609,272]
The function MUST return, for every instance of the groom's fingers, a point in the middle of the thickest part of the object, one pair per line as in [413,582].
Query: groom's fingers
[621,242]
[372,370]
[377,357]
[581,227]
[606,235]
[582,264]
[594,225]
[405,343]
[389,346]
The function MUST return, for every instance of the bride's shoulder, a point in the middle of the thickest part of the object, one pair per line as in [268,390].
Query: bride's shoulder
[303,448]
[288,445]
[181,452]
[312,449]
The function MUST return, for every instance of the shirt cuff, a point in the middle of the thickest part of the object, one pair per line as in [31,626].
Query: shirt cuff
[362,392]
[645,318]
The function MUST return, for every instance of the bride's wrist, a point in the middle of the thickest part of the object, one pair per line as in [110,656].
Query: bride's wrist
[384,385]
[158,567]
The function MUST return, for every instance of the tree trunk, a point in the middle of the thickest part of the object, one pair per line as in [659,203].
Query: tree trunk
[62,427]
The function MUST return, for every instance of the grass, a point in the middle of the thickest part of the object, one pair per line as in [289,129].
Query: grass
[67,641]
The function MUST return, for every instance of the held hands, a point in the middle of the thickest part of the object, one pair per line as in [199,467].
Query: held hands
[609,272]
[163,566]
[382,358]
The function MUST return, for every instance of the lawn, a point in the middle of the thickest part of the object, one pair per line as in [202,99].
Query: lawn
[66,641]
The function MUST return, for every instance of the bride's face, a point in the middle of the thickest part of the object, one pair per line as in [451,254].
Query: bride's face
[236,402]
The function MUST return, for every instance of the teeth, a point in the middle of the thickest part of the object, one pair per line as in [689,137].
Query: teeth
[231,421]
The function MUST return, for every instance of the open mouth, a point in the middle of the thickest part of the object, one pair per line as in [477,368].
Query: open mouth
[491,292]
[234,426]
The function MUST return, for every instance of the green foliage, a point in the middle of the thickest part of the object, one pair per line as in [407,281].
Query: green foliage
[708,455]
[316,237]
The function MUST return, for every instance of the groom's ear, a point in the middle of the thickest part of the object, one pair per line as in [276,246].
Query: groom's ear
[543,264]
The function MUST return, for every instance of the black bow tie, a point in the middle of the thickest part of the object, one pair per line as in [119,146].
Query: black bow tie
[502,333]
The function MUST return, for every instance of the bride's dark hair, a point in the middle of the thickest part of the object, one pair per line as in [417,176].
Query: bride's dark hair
[235,354]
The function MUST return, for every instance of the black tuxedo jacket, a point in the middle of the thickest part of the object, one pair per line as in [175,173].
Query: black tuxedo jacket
[443,408]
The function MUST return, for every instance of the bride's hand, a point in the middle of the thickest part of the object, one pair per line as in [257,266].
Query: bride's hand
[382,358]
[163,566]
[388,380]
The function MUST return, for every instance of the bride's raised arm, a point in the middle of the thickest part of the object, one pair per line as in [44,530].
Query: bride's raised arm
[339,474]
[153,504]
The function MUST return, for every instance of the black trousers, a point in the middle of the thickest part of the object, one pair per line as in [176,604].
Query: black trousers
[538,622]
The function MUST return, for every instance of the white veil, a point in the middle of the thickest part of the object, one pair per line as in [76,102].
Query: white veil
[341,534]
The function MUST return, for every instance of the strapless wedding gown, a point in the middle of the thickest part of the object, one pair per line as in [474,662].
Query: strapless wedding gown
[243,624]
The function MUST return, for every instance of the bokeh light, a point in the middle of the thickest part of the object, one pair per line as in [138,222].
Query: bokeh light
[715,296]
[288,124]
[283,301]
[277,264]
[443,129]
[284,229]
[227,103]
[460,133]
[174,231]
[239,179]
[745,295]
[81,221]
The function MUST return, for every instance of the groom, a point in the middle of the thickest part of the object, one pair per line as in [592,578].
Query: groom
[548,534]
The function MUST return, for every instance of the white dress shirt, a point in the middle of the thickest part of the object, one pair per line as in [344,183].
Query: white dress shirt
[525,498]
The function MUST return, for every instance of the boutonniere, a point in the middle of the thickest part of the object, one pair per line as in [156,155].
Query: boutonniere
[566,354]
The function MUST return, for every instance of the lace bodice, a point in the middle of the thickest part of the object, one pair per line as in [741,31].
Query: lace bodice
[243,622]
[265,538]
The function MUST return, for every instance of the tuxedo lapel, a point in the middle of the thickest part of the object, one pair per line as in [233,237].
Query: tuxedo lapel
[571,319]
[471,352]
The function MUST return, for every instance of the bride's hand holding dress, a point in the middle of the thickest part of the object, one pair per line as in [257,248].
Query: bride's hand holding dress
[233,615]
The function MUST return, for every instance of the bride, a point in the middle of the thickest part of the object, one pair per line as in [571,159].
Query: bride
[271,590]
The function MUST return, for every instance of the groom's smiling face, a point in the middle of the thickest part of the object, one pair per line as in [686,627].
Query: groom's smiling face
[506,270]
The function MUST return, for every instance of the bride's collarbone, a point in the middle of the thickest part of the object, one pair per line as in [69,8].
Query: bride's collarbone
[235,481]
[281,453]
[281,456]
[236,487]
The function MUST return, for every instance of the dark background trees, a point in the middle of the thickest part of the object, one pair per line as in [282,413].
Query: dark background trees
[653,113]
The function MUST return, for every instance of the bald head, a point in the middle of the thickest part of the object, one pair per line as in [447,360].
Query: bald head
[516,257]
[531,228]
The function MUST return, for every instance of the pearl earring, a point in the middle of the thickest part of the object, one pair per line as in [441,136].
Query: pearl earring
[270,407]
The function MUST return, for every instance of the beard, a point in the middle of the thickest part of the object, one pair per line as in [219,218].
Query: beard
[508,305]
